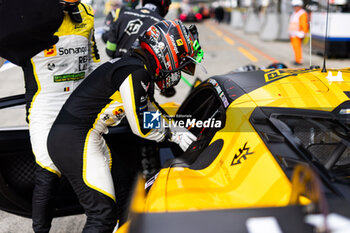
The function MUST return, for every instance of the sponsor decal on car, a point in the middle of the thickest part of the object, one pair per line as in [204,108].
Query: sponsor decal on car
[220,92]
[151,181]
[241,156]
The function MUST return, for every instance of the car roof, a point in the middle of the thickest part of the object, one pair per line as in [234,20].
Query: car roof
[293,88]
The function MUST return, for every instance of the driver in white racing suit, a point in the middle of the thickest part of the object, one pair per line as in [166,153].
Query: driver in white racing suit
[50,78]
[121,87]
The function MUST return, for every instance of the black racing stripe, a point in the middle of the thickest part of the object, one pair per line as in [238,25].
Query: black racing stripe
[95,50]
[86,10]
[31,85]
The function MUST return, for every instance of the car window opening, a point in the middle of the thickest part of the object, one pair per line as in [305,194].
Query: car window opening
[326,140]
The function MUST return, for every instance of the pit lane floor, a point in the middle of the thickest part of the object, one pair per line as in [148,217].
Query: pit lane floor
[224,48]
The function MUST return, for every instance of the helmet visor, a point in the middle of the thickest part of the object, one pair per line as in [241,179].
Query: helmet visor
[190,68]
[190,65]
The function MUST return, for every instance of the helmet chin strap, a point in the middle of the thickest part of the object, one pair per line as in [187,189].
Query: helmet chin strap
[176,69]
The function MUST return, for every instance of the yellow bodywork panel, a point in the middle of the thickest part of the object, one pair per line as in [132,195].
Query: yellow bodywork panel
[252,179]
[245,173]
[170,108]
[310,91]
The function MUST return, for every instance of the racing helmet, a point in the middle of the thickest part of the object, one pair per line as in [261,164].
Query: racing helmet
[131,3]
[162,5]
[174,49]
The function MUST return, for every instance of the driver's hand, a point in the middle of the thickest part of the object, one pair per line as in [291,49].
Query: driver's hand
[184,138]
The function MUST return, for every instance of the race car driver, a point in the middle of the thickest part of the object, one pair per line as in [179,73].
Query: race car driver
[118,88]
[50,77]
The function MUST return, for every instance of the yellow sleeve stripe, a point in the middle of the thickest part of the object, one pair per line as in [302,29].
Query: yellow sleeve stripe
[117,11]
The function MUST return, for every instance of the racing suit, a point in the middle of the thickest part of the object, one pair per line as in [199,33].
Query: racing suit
[50,77]
[127,26]
[116,89]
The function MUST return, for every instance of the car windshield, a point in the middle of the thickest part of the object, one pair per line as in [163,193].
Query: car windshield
[327,141]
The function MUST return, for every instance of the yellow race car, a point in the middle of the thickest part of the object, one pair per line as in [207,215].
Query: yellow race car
[273,148]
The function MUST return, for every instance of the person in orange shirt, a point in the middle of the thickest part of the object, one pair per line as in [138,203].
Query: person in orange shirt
[298,27]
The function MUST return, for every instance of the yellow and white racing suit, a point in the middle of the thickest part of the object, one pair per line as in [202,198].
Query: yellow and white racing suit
[53,74]
[50,77]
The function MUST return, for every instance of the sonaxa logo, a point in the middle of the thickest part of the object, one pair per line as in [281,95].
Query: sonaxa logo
[77,50]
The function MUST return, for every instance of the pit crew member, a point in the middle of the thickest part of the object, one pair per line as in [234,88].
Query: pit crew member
[130,23]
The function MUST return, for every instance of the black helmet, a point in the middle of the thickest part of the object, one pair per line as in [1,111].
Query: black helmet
[131,3]
[162,5]
[174,48]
